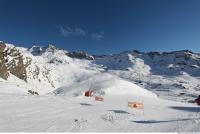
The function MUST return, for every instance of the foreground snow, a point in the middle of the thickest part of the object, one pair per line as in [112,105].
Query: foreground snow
[67,110]
[66,113]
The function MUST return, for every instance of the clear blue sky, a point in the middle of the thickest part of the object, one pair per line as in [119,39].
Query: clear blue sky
[102,26]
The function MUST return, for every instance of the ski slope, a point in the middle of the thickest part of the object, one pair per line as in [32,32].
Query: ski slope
[69,113]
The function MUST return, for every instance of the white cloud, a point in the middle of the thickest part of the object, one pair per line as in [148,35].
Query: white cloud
[97,36]
[68,31]
[77,31]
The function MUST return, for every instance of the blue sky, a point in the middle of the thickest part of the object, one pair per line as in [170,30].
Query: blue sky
[102,26]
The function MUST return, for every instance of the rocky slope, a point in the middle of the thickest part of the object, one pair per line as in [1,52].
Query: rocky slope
[12,61]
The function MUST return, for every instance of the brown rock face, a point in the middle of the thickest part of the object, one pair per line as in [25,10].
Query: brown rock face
[3,69]
[15,64]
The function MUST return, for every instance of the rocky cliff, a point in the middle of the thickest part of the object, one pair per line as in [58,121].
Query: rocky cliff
[12,61]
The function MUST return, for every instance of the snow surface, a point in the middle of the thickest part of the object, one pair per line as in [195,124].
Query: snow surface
[173,75]
[161,85]
[80,114]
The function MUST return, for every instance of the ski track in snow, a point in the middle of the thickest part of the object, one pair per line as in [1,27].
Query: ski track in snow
[60,114]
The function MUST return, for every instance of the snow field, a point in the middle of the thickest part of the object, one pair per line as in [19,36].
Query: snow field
[82,114]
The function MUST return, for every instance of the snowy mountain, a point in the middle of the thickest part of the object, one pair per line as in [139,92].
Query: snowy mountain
[49,69]
[168,74]
[163,83]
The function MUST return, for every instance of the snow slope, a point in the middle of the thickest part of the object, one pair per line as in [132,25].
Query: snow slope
[81,114]
[173,75]
[51,68]
[104,84]
[167,74]
[164,83]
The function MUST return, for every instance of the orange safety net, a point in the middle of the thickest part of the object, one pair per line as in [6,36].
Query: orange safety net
[136,105]
[99,98]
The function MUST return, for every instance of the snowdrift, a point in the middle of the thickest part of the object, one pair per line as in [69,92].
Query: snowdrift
[104,84]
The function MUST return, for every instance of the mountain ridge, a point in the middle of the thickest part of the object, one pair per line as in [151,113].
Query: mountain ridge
[48,68]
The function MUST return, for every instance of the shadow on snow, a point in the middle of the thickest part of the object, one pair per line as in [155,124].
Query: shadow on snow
[157,121]
[85,104]
[187,109]
[119,111]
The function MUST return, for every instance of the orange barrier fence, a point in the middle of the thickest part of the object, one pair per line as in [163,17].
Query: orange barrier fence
[99,98]
[136,105]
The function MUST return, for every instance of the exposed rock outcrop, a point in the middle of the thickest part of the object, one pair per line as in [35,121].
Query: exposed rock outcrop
[3,68]
[80,55]
[12,61]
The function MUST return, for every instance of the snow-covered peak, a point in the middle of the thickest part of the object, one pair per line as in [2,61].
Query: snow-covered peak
[51,48]
[171,63]
[37,50]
